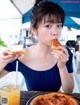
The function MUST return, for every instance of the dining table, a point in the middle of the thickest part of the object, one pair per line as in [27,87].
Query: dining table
[27,95]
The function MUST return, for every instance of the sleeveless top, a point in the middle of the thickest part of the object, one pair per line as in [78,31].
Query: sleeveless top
[48,80]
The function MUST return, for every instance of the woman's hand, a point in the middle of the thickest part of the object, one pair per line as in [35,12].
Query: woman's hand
[8,56]
[62,56]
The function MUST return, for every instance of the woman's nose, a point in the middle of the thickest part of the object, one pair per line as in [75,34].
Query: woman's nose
[53,34]
[54,31]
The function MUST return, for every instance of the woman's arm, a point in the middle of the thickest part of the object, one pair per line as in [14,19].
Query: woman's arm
[3,73]
[66,80]
[2,65]
[64,62]
[6,57]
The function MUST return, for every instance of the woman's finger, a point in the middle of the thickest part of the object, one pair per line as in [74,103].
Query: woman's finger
[64,50]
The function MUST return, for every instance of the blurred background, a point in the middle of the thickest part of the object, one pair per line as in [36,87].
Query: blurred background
[15,22]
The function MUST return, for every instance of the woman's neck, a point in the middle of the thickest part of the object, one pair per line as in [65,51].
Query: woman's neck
[44,49]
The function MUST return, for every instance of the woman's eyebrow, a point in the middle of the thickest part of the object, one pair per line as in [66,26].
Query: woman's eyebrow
[48,21]
[52,22]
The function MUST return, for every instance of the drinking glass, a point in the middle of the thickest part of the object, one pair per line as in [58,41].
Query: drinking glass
[9,95]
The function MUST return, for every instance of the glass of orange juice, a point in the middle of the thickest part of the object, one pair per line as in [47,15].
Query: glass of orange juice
[9,95]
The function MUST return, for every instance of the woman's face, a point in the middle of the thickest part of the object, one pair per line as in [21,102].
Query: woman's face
[48,31]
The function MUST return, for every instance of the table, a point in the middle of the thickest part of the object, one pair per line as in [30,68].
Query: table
[26,95]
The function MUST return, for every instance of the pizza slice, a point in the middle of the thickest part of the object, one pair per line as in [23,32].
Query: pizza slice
[18,52]
[55,44]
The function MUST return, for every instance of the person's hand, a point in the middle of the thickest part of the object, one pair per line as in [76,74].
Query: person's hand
[8,56]
[61,55]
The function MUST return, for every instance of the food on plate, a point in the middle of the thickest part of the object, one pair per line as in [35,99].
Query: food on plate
[55,44]
[54,98]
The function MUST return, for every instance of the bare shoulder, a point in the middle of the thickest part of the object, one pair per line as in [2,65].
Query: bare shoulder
[28,49]
[27,52]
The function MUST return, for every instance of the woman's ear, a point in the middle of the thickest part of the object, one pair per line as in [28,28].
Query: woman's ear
[33,31]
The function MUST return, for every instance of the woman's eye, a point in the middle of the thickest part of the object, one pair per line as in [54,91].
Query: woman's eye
[48,26]
[60,25]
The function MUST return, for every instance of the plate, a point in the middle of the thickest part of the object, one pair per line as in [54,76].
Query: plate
[29,101]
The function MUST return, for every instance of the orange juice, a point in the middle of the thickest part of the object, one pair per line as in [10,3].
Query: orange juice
[10,95]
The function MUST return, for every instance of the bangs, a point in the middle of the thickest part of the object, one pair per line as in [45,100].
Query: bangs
[52,18]
[47,12]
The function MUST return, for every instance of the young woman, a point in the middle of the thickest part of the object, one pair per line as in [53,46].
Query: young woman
[43,68]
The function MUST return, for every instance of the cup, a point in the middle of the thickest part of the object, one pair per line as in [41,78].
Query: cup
[9,95]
